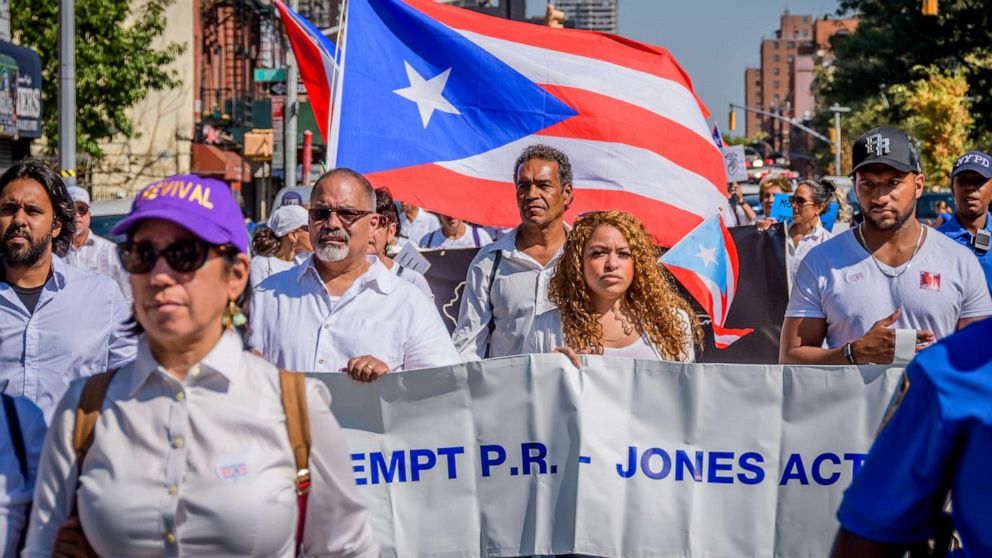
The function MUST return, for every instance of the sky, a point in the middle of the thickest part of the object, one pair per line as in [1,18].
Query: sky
[713,40]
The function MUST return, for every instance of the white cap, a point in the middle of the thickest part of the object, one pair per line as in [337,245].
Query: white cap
[287,219]
[79,195]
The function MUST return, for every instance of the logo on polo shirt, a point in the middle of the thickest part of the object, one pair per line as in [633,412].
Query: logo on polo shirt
[929,281]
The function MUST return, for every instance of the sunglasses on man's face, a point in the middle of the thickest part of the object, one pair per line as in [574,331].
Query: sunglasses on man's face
[183,256]
[82,209]
[346,215]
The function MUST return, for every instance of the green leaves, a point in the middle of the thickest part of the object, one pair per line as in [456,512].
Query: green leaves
[116,64]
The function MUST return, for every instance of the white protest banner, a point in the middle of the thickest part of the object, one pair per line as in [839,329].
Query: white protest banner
[733,163]
[528,455]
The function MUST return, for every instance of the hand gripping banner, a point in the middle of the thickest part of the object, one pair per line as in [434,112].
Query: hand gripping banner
[529,455]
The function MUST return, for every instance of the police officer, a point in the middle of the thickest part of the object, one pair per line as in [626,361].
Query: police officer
[971,185]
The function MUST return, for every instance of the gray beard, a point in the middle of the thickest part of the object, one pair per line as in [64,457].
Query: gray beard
[327,253]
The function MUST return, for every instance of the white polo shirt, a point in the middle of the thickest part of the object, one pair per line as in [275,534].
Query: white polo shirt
[298,326]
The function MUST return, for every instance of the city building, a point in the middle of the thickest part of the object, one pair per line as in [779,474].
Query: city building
[594,15]
[783,82]
[20,95]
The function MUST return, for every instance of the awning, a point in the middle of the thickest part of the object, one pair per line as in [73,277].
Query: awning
[210,160]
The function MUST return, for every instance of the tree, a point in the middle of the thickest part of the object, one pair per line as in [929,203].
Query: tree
[116,64]
[894,40]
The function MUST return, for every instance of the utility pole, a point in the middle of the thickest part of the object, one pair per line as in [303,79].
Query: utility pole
[837,109]
[509,9]
[67,91]
[289,114]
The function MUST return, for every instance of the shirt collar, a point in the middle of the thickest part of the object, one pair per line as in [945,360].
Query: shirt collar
[377,275]
[953,227]
[224,359]
[508,242]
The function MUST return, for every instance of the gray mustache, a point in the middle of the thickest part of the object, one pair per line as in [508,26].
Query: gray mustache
[335,233]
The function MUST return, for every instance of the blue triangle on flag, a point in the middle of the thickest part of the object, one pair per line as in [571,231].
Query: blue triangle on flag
[483,104]
[703,252]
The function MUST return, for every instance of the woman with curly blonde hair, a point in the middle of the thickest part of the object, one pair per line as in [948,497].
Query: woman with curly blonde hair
[613,297]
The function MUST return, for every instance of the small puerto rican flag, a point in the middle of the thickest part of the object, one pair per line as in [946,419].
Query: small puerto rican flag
[929,281]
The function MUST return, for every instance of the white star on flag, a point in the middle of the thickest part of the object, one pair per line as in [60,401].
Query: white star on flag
[426,93]
[708,255]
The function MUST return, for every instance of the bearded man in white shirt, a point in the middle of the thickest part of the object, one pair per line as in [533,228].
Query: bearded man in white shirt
[507,283]
[341,310]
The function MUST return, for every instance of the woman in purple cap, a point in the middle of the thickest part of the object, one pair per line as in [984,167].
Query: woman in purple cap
[190,454]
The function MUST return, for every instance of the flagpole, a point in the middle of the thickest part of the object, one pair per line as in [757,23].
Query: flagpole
[337,81]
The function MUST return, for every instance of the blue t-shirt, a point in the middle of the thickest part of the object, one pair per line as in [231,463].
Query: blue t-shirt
[940,439]
[954,230]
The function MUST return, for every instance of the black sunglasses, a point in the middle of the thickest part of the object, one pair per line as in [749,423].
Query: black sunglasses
[82,209]
[347,216]
[183,256]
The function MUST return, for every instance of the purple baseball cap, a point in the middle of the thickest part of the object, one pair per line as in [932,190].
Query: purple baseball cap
[204,206]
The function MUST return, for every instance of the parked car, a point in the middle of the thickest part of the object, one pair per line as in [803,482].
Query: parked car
[104,214]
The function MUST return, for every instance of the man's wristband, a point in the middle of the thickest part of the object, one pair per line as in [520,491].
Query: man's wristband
[849,353]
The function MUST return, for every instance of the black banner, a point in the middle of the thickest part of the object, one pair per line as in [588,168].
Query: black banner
[762,294]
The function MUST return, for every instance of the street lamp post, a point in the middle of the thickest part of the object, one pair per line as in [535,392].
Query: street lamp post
[67,91]
[837,109]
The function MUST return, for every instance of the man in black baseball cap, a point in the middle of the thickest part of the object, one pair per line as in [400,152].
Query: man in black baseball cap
[971,185]
[885,146]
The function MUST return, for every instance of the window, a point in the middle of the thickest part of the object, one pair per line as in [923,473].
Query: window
[791,59]
[775,71]
[775,58]
[792,45]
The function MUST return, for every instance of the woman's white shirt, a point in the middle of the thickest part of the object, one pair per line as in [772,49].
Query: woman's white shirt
[547,334]
[263,266]
[794,254]
[202,467]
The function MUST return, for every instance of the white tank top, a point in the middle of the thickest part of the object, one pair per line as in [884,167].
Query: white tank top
[640,349]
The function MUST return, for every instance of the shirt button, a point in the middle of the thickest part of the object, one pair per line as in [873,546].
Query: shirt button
[180,396]
[177,443]
[321,361]
[170,538]
[173,489]
[195,370]
[327,326]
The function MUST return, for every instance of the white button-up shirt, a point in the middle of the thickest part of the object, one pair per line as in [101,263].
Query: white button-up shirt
[99,255]
[519,292]
[77,329]
[15,488]
[201,467]
[297,326]
[794,254]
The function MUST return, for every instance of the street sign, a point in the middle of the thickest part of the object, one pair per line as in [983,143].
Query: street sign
[270,74]
[278,88]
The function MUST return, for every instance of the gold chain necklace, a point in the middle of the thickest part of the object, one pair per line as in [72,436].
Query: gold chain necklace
[919,242]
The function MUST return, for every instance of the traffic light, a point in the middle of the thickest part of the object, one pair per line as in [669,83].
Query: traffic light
[733,120]
[930,7]
[554,17]
[833,140]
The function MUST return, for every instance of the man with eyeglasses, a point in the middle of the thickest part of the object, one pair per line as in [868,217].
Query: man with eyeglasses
[971,185]
[57,322]
[341,310]
[92,252]
[888,287]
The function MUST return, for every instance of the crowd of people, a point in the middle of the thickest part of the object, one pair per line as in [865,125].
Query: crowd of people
[160,370]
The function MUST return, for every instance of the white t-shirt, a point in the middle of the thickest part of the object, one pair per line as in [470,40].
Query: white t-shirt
[838,280]
[473,237]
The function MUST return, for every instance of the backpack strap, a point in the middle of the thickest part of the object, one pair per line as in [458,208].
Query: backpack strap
[88,413]
[491,326]
[294,403]
[16,434]
[475,236]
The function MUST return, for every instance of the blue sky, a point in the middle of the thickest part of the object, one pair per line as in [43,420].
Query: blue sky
[713,40]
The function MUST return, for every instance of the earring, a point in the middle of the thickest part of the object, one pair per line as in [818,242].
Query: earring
[233,316]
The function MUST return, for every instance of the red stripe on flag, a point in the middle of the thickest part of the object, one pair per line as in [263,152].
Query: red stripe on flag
[694,286]
[605,118]
[311,65]
[489,202]
[602,46]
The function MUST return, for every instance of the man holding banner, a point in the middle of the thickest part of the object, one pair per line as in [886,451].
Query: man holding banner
[882,291]
[507,284]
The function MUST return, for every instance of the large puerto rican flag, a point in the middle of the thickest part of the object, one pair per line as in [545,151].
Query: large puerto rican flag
[437,102]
